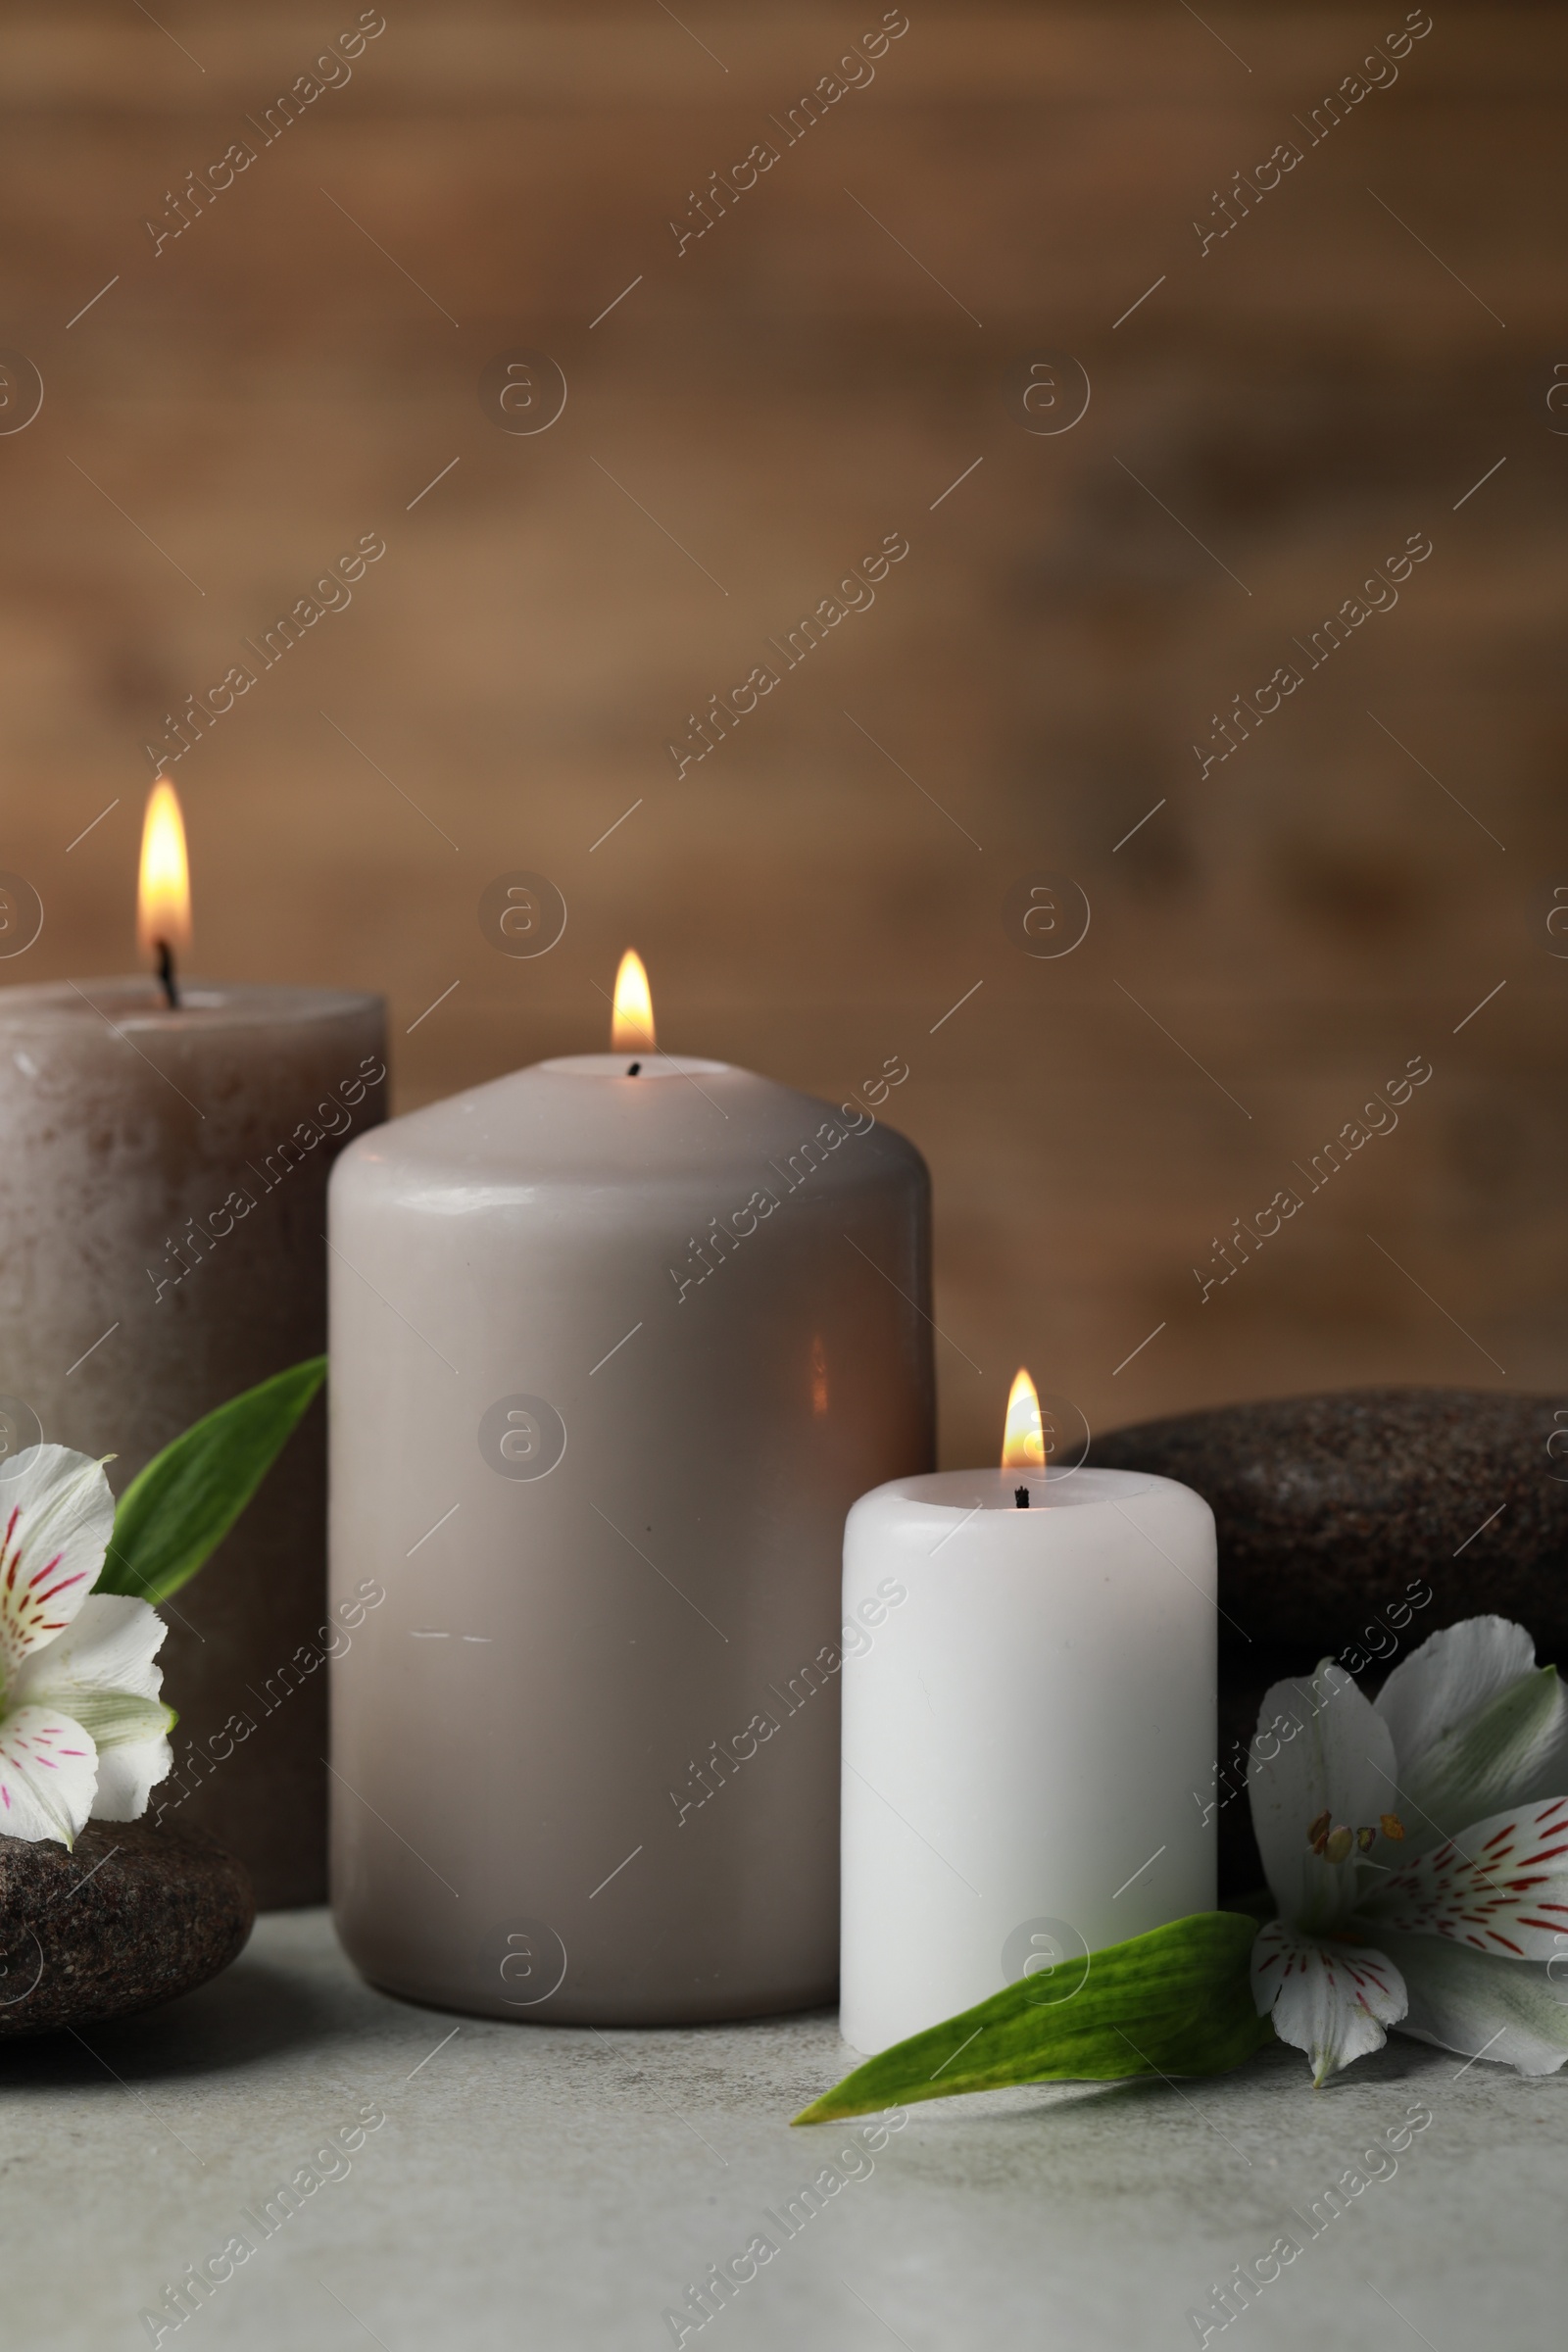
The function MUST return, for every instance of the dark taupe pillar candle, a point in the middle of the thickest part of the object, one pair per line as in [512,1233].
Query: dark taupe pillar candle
[162,1208]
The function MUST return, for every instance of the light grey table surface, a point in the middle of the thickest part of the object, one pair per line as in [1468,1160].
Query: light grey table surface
[555,2187]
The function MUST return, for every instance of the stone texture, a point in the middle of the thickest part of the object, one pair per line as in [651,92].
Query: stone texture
[1328,1506]
[132,1917]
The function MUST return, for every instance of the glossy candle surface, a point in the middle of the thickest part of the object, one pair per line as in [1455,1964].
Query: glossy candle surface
[1028,1711]
[611,1356]
[162,1183]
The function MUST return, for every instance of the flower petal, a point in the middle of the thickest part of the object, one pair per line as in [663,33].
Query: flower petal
[1501,1887]
[100,1672]
[1320,1750]
[1509,2012]
[1333,2000]
[1448,1678]
[48,1768]
[56,1518]
[1451,1674]
[110,1646]
[110,1718]
[127,1770]
[1509,1750]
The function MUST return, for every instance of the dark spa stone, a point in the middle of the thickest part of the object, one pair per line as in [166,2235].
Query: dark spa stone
[134,1916]
[1330,1508]
[1337,1516]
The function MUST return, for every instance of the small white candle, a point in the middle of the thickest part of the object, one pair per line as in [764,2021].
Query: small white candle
[1025,1725]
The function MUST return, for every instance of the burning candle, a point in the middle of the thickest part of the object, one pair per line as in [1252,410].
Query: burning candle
[1029,1726]
[616,1342]
[162,894]
[162,1218]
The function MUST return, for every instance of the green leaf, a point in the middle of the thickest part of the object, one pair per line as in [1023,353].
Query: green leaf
[1176,2001]
[177,1510]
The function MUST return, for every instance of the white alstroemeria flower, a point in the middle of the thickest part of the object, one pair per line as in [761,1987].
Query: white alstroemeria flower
[83,1730]
[1418,1852]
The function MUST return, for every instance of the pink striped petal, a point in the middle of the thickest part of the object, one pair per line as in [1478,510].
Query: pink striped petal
[1334,2001]
[48,1772]
[1501,1887]
[56,1518]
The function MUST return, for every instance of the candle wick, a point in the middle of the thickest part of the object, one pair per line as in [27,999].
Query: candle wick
[634,1069]
[165,974]
[1020,1495]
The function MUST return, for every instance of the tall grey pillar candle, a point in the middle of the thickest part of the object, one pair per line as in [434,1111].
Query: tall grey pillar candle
[612,1356]
[162,1197]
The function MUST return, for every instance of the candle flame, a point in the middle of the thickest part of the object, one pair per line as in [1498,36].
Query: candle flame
[1023,1440]
[162,894]
[631,1028]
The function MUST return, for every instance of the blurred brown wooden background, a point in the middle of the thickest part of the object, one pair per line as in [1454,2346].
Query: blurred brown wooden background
[1276,939]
